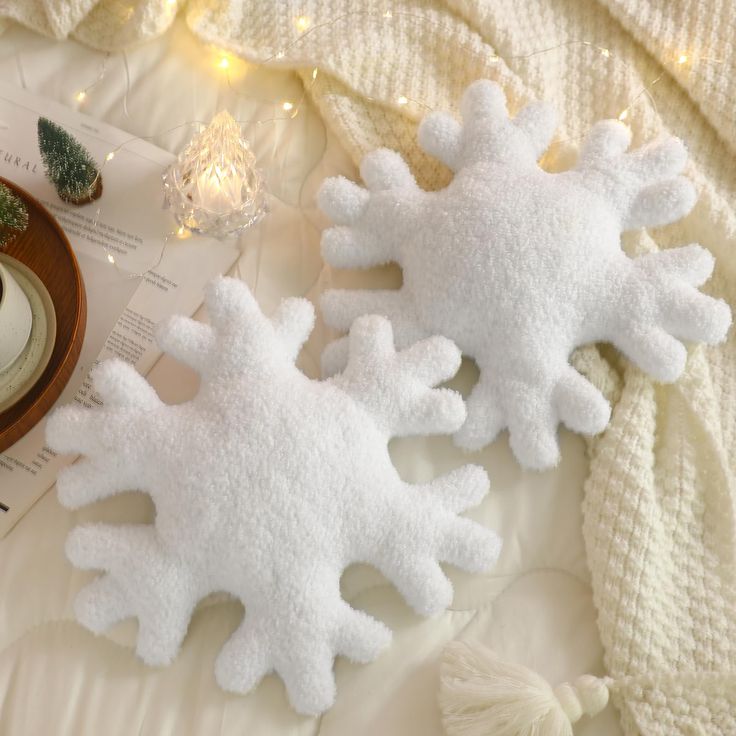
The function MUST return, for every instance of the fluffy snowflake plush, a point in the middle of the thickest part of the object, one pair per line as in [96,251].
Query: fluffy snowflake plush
[267,485]
[519,266]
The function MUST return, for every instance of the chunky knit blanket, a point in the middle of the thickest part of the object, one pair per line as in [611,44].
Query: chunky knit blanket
[659,521]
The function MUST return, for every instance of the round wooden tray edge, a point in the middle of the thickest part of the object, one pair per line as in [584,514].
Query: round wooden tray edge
[17,429]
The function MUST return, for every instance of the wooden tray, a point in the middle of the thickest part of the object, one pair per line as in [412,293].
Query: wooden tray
[44,248]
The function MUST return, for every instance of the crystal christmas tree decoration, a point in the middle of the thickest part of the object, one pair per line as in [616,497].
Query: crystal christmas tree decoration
[213,187]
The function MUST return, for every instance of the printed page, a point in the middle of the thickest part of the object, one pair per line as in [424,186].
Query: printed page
[116,239]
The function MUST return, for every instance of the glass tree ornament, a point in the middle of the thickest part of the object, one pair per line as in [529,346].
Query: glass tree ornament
[214,187]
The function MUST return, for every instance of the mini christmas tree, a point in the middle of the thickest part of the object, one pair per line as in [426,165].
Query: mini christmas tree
[69,166]
[13,215]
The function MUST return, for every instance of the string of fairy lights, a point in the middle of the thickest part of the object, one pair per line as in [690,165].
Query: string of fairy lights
[81,96]
[305,27]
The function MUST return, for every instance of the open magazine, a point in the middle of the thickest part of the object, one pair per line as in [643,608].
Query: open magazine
[127,225]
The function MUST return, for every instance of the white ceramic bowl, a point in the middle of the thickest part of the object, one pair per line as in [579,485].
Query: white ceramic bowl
[16,319]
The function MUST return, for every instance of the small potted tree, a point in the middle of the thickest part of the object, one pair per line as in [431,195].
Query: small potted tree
[69,165]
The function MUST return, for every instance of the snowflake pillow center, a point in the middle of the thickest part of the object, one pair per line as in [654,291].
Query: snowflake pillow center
[519,266]
[267,485]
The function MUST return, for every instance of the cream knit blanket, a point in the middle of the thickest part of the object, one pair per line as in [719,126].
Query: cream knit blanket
[659,520]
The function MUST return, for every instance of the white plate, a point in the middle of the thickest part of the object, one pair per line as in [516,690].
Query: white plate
[20,377]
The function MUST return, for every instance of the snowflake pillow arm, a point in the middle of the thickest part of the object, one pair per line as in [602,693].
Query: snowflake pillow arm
[487,132]
[361,240]
[506,243]
[396,387]
[286,572]
[644,185]
[361,236]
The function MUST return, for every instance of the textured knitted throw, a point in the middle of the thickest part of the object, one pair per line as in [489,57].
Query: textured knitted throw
[659,519]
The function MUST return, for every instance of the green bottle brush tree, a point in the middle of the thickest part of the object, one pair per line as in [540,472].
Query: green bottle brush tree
[13,215]
[69,165]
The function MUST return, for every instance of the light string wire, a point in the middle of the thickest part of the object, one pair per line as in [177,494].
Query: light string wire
[307,28]
[304,25]
[81,96]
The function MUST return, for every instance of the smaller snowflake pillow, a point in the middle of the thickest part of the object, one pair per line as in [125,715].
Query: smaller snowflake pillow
[267,485]
[519,266]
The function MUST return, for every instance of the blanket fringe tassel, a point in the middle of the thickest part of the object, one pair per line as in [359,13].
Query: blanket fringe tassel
[481,695]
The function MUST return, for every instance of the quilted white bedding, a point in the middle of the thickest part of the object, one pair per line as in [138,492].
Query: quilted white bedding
[534,608]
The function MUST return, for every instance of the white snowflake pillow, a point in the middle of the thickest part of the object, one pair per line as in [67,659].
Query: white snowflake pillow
[267,485]
[519,266]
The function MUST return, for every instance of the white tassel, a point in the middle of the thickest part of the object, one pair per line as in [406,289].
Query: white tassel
[481,695]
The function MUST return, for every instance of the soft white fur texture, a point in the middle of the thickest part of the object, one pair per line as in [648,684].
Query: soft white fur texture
[267,485]
[519,266]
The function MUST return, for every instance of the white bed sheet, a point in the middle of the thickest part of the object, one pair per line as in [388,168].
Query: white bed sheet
[535,607]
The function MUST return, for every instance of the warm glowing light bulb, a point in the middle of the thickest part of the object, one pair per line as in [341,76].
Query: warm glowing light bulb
[224,63]
[605,53]
[302,23]
[110,156]
[402,100]
[287,105]
[110,258]
[280,55]
[624,114]
[80,96]
[183,233]
[315,71]
[682,59]
[388,14]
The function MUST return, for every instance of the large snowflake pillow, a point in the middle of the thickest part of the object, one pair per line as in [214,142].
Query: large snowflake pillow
[267,485]
[520,266]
